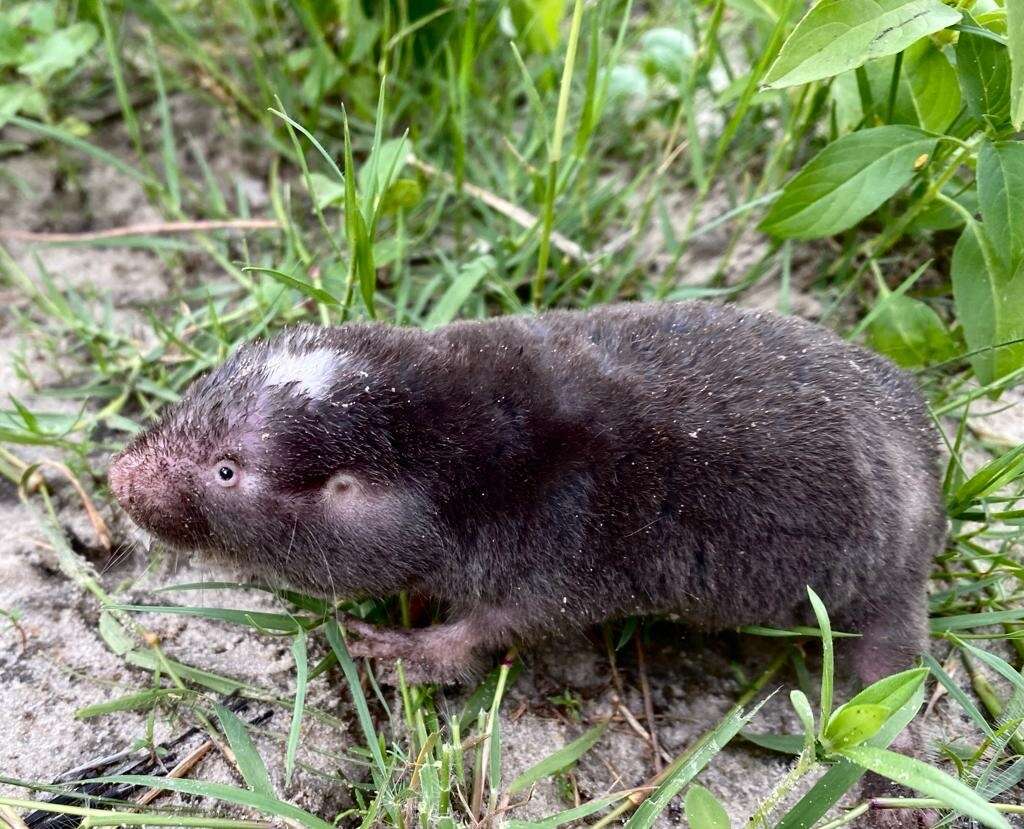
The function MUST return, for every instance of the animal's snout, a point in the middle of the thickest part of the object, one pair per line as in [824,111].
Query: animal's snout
[158,494]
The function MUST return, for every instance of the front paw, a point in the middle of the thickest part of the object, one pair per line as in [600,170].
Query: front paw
[423,652]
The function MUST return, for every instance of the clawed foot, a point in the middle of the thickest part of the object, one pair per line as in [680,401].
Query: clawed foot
[441,654]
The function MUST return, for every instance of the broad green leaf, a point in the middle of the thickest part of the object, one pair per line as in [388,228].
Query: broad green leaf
[250,764]
[838,35]
[12,97]
[984,69]
[853,724]
[1015,45]
[844,774]
[1001,198]
[928,780]
[326,190]
[626,84]
[910,333]
[538,21]
[989,303]
[668,52]
[60,50]
[387,161]
[703,811]
[846,181]
[891,692]
[561,759]
[401,193]
[932,84]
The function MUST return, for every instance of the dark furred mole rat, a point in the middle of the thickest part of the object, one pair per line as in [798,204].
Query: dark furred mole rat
[539,472]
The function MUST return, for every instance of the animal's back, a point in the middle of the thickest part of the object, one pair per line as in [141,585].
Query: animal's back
[724,459]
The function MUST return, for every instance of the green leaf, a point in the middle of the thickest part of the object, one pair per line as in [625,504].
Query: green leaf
[538,21]
[584,810]
[224,792]
[928,780]
[984,69]
[668,52]
[780,743]
[259,620]
[348,668]
[827,660]
[1015,44]
[843,775]
[803,710]
[129,702]
[703,811]
[891,692]
[301,680]
[60,50]
[862,716]
[289,281]
[560,760]
[968,621]
[327,190]
[958,694]
[838,35]
[402,194]
[989,303]
[853,724]
[250,764]
[910,333]
[992,477]
[465,282]
[697,757]
[385,162]
[12,97]
[932,85]
[846,181]
[1001,198]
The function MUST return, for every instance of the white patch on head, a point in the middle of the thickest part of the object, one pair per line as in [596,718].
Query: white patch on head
[313,371]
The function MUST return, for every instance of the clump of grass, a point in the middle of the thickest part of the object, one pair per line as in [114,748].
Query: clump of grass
[431,161]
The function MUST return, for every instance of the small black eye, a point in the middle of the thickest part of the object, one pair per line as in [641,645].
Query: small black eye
[227,473]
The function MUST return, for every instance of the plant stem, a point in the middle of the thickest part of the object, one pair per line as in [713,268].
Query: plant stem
[555,154]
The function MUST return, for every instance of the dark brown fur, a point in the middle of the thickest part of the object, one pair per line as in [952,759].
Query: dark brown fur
[534,473]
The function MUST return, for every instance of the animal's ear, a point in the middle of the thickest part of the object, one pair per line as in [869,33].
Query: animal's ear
[347,493]
[341,485]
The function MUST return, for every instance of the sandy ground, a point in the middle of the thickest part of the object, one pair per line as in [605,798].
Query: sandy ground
[62,663]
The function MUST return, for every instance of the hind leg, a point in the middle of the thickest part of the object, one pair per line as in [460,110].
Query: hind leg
[893,634]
